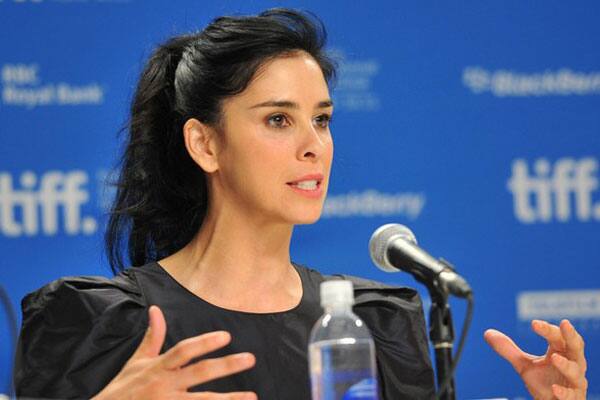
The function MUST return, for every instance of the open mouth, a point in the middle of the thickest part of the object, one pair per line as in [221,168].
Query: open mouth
[311,184]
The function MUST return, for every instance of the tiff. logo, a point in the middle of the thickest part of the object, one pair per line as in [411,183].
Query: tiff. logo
[554,190]
[35,208]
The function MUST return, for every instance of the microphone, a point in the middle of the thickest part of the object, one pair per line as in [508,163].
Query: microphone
[393,247]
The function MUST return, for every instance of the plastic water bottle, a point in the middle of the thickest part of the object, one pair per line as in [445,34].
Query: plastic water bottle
[341,349]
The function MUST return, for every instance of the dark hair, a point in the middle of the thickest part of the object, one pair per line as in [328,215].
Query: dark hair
[161,197]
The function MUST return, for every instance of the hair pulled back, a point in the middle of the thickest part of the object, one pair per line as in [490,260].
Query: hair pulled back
[161,197]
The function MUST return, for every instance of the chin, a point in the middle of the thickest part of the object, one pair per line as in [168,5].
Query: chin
[308,218]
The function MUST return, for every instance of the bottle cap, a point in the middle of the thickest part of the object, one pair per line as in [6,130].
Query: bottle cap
[337,292]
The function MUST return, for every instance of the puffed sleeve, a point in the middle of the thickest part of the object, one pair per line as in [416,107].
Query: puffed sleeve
[395,317]
[77,333]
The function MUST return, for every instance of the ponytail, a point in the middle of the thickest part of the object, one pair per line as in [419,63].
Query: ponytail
[158,184]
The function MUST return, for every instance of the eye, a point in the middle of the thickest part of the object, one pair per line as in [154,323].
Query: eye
[278,121]
[323,120]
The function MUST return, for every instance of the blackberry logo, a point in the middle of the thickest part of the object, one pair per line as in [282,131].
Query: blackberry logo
[508,83]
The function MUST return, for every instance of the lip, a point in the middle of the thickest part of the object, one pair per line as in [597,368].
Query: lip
[311,177]
[313,194]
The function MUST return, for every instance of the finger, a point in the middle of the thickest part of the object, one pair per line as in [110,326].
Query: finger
[551,333]
[223,396]
[214,368]
[570,370]
[563,393]
[155,335]
[506,348]
[188,349]
[575,344]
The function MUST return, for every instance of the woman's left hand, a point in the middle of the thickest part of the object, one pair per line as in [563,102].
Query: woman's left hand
[560,373]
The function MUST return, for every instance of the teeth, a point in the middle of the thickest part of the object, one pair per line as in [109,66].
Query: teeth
[307,185]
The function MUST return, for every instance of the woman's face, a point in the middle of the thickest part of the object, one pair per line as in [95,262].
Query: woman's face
[275,150]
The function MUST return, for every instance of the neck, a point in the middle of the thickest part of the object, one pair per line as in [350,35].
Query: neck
[234,245]
[234,260]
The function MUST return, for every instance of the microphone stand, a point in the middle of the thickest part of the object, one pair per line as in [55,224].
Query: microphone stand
[441,332]
[441,335]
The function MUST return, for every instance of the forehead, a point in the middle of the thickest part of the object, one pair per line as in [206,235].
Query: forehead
[294,77]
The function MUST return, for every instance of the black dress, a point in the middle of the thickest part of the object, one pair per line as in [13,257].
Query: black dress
[78,333]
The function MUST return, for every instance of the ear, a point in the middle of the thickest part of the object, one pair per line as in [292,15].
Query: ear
[201,144]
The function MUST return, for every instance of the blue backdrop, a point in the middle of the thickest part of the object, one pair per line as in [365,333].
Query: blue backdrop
[474,123]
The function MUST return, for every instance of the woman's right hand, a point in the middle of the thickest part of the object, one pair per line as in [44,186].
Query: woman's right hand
[150,375]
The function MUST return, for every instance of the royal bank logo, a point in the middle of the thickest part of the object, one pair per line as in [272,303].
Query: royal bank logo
[507,83]
[562,191]
[22,86]
[45,204]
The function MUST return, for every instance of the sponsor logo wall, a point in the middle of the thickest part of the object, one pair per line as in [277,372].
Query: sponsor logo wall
[477,126]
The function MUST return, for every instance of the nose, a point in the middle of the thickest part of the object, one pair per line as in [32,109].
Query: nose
[312,143]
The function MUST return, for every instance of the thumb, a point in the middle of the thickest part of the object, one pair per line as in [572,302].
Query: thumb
[506,348]
[155,335]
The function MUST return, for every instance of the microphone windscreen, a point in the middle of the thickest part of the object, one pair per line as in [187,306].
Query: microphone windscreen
[380,241]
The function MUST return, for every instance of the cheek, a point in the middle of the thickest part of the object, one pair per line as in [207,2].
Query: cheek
[329,155]
[261,162]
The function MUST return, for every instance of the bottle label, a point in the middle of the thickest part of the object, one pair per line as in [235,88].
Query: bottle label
[363,390]
[343,370]
[348,385]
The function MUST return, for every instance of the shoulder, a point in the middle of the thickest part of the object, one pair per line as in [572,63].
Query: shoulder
[388,310]
[81,299]
[370,291]
[394,315]
[75,330]
[97,287]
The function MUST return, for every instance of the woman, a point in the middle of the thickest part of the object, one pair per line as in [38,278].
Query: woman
[229,148]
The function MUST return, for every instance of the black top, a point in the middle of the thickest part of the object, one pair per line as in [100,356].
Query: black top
[78,332]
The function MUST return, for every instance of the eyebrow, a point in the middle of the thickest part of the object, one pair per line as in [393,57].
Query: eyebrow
[290,104]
